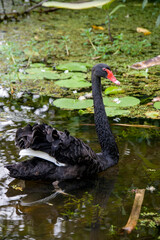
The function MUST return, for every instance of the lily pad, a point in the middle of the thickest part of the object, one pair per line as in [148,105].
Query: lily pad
[121,102]
[78,75]
[51,75]
[152,114]
[37,70]
[73,83]
[112,111]
[113,90]
[73,66]
[13,77]
[40,73]
[157,105]
[68,103]
[37,65]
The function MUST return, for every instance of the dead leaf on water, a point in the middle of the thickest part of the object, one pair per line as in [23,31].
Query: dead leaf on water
[17,187]
[149,104]
[143,30]
[156,99]
[98,27]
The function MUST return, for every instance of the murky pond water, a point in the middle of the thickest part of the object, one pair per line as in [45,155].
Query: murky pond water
[95,209]
[90,209]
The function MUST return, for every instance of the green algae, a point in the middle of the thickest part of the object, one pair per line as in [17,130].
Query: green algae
[39,42]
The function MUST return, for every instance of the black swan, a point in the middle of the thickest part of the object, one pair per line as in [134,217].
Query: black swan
[59,156]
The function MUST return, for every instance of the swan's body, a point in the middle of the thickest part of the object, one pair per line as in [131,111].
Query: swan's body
[59,156]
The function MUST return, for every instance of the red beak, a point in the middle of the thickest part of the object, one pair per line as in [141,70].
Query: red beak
[111,77]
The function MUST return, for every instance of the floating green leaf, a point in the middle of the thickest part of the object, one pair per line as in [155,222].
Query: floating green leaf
[73,66]
[78,6]
[40,73]
[73,75]
[113,90]
[121,102]
[37,70]
[113,111]
[51,75]
[68,103]
[73,83]
[37,65]
[33,73]
[13,77]
[157,105]
[116,8]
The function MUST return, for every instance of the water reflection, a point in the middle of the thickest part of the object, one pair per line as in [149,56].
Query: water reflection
[92,209]
[48,212]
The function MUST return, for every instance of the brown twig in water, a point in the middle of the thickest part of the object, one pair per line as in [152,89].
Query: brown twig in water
[26,11]
[124,125]
[134,125]
[146,64]
[134,216]
[35,6]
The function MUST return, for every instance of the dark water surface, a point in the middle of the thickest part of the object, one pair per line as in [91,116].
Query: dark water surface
[95,209]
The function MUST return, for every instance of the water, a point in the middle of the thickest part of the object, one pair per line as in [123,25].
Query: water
[96,209]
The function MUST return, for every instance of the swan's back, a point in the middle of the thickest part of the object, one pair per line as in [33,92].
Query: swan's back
[74,158]
[60,145]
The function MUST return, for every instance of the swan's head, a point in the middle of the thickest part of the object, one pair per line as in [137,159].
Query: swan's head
[103,70]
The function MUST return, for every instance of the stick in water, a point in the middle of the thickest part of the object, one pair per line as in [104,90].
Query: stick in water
[134,216]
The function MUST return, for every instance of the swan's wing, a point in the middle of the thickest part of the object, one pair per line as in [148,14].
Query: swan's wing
[59,145]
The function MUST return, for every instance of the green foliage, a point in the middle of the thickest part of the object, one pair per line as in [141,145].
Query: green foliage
[102,46]
[116,8]
[112,230]
[64,41]
[73,206]
[150,219]
[107,6]
[10,55]
[77,208]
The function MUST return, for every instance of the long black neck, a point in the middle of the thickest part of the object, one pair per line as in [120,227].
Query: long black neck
[106,139]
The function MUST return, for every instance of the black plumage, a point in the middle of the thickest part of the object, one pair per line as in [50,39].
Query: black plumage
[75,159]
